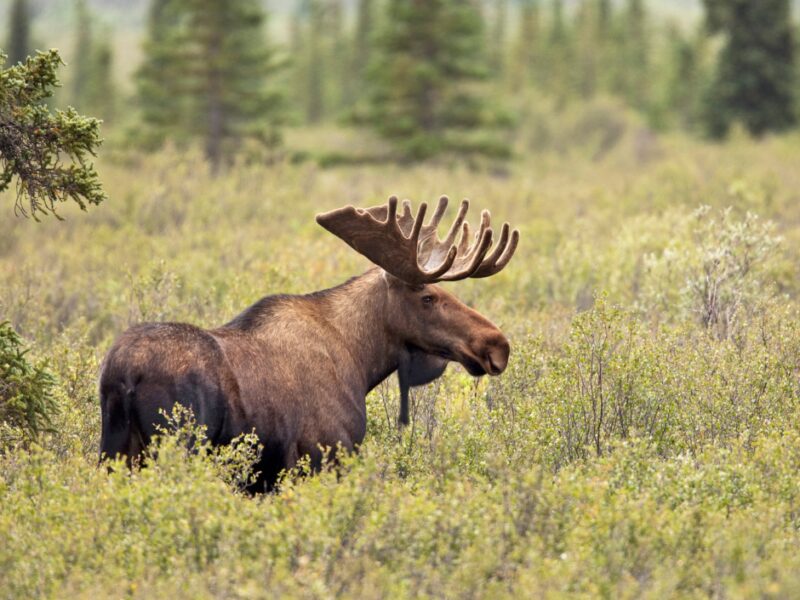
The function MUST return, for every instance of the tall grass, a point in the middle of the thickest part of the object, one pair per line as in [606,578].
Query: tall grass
[643,442]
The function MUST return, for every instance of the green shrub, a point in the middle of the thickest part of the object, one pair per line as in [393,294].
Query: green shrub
[629,450]
[26,402]
[720,273]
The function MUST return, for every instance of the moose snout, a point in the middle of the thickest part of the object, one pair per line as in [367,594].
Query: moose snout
[496,355]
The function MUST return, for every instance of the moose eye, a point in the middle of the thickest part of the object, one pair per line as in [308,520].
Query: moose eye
[428,299]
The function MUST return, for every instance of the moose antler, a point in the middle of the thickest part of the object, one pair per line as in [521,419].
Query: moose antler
[403,246]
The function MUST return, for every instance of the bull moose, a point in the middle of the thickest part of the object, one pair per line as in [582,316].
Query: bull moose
[297,369]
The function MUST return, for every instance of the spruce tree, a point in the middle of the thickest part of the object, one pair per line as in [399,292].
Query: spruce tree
[48,155]
[315,108]
[604,18]
[340,78]
[604,37]
[426,52]
[636,54]
[162,111]
[362,42]
[497,39]
[684,78]
[209,61]
[101,93]
[558,58]
[754,81]
[587,68]
[82,56]
[19,32]
[527,51]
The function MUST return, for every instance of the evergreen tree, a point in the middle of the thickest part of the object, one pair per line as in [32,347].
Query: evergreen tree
[341,82]
[635,54]
[27,402]
[92,67]
[81,63]
[297,45]
[161,110]
[316,87]
[208,61]
[528,46]
[101,93]
[558,67]
[425,54]
[497,39]
[604,19]
[754,82]
[684,78]
[19,32]
[362,43]
[48,154]
[587,66]
[604,39]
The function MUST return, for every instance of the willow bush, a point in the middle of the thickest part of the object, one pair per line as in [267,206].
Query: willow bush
[632,448]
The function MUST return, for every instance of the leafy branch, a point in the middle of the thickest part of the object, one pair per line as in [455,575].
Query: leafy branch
[49,154]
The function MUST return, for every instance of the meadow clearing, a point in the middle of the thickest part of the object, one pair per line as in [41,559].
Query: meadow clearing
[644,441]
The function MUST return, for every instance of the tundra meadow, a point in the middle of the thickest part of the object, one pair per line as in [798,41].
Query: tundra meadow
[644,441]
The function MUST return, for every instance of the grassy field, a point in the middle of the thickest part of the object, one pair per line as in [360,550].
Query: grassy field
[644,441]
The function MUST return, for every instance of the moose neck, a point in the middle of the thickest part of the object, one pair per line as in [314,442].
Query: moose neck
[357,310]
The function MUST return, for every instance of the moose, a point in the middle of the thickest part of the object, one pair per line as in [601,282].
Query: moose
[296,369]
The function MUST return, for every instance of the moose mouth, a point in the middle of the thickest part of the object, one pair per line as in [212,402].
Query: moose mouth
[471,363]
[473,367]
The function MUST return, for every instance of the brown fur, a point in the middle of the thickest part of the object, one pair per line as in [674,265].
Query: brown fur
[296,369]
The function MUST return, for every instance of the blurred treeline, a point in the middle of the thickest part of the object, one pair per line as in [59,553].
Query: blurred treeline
[429,77]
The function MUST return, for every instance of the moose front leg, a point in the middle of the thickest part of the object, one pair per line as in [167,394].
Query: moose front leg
[416,368]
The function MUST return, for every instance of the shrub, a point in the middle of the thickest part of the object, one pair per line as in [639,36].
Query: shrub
[26,403]
[720,273]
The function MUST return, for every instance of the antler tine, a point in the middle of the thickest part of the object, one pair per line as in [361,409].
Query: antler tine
[512,247]
[497,261]
[473,259]
[391,217]
[501,245]
[420,218]
[465,237]
[462,214]
[441,208]
[406,209]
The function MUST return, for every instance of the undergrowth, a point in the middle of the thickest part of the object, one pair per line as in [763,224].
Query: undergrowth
[642,443]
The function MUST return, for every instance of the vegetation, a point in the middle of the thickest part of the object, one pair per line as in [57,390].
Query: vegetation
[33,141]
[760,41]
[92,84]
[26,404]
[425,54]
[18,43]
[206,75]
[643,442]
